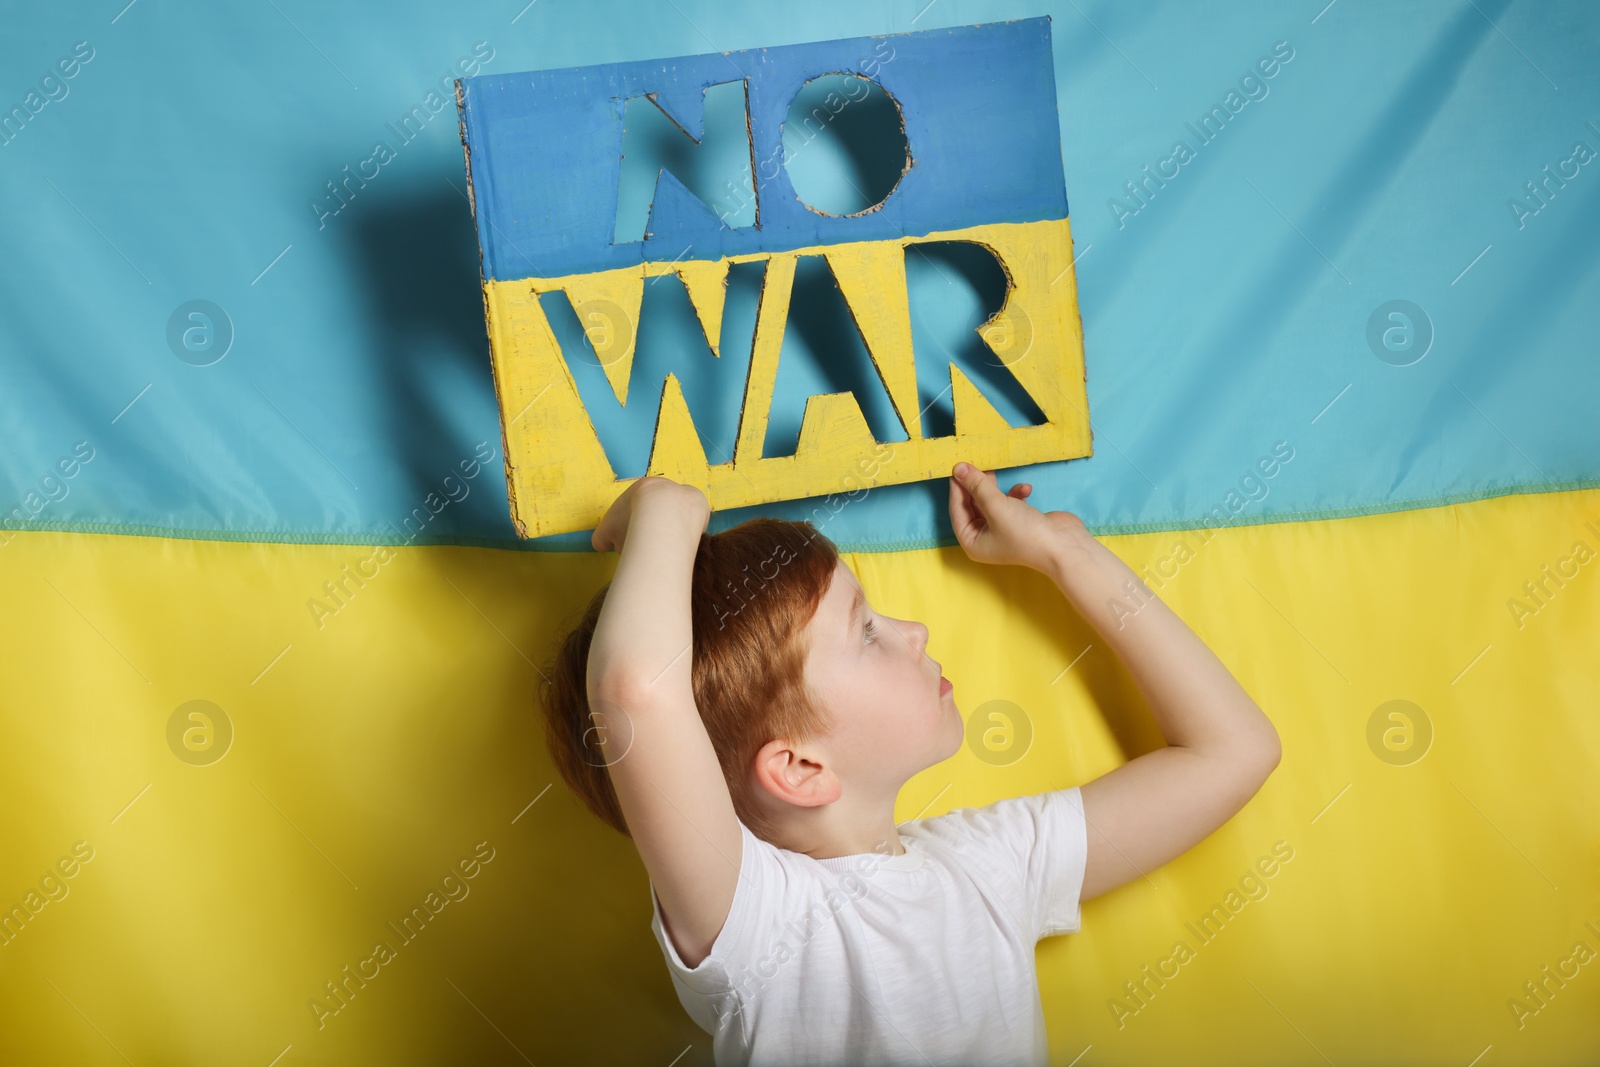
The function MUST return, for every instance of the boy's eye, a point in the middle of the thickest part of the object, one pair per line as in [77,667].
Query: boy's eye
[872,631]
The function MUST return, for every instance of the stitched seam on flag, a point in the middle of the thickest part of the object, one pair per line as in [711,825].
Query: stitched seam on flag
[863,547]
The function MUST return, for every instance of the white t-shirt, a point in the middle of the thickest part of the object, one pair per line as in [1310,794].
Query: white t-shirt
[924,957]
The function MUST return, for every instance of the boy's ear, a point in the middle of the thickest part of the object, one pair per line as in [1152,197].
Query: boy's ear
[796,776]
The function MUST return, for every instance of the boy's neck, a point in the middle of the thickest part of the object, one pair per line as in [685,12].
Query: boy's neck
[838,830]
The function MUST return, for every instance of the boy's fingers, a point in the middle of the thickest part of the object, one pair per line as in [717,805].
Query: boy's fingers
[984,489]
[966,518]
[981,484]
[960,507]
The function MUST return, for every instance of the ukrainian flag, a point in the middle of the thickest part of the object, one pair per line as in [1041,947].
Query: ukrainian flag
[275,785]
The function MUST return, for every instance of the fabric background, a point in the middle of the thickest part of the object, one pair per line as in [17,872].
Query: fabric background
[374,747]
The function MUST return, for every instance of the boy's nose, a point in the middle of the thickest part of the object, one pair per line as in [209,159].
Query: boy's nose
[915,634]
[918,634]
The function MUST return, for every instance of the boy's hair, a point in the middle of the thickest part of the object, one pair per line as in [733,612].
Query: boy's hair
[754,589]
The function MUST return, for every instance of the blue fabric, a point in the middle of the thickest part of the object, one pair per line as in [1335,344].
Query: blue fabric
[1224,311]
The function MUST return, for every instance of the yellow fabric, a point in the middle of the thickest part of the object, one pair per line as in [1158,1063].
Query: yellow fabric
[374,752]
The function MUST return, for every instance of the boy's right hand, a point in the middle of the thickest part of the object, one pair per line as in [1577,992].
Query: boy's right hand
[613,528]
[996,527]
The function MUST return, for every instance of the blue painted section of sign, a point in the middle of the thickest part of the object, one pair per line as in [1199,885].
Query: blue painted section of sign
[978,103]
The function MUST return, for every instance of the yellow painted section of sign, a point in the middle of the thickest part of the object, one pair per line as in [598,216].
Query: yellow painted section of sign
[560,480]
[707,284]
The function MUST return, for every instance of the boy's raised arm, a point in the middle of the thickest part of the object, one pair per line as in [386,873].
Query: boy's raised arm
[662,765]
[1220,746]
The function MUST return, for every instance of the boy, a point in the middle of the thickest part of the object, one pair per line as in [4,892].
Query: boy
[733,703]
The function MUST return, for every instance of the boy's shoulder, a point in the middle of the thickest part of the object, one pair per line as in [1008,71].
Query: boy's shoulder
[1035,845]
[1019,821]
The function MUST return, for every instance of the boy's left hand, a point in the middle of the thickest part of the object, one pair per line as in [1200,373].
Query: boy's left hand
[1002,527]
[612,531]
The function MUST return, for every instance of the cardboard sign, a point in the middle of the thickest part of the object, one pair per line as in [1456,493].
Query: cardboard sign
[544,152]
